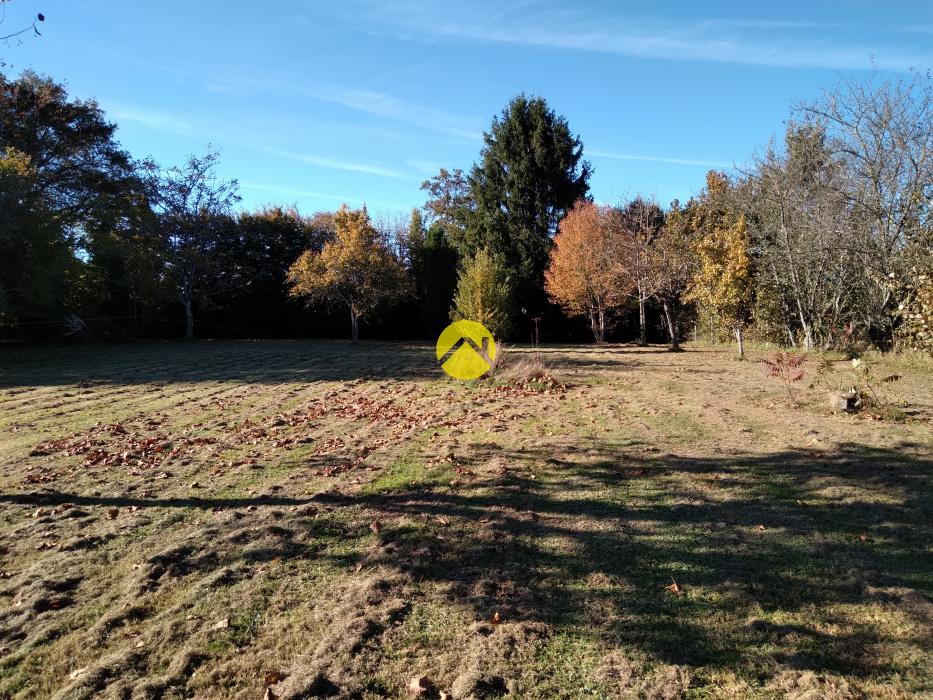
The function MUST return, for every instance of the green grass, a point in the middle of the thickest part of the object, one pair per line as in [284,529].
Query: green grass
[678,428]
[409,473]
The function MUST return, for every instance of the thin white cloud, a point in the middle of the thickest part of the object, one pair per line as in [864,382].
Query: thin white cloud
[292,192]
[284,192]
[780,43]
[741,23]
[338,164]
[916,29]
[697,48]
[153,119]
[428,167]
[657,159]
[372,102]
[380,104]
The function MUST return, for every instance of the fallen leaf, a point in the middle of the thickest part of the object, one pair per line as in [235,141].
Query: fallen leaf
[675,588]
[376,527]
[496,618]
[221,624]
[113,513]
[77,673]
[273,677]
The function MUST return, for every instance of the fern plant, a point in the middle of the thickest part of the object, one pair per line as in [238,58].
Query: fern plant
[786,367]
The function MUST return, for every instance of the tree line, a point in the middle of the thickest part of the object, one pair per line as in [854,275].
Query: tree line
[788,250]
[823,240]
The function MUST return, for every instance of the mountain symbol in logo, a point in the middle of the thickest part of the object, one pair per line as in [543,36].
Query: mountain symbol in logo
[466,350]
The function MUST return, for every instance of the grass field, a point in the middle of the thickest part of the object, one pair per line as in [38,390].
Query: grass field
[304,519]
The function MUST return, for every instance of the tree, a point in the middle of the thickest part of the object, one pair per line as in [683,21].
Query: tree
[915,308]
[582,277]
[484,294]
[78,165]
[882,133]
[124,259]
[433,262]
[724,281]
[356,268]
[36,261]
[74,187]
[530,174]
[637,225]
[671,268]
[415,235]
[812,276]
[261,247]
[449,205]
[194,208]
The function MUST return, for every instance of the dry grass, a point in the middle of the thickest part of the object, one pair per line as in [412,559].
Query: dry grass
[217,519]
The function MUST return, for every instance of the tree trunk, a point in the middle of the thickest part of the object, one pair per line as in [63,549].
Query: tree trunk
[671,327]
[741,339]
[594,326]
[602,325]
[354,326]
[642,329]
[189,318]
[807,336]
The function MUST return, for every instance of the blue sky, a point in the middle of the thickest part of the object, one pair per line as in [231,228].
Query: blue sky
[315,103]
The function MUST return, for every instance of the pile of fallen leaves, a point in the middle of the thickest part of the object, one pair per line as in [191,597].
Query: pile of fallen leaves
[123,444]
[541,382]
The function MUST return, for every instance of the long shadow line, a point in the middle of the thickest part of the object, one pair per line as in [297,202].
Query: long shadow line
[59,498]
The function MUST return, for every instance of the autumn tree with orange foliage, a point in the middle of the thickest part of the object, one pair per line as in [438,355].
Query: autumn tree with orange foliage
[582,277]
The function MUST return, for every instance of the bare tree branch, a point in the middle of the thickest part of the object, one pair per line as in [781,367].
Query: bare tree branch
[17,35]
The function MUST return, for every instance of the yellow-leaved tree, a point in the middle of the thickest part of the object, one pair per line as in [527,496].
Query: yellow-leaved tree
[484,293]
[582,276]
[356,268]
[724,281]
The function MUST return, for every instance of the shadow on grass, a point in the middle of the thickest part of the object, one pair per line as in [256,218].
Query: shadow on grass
[769,552]
[788,533]
[57,498]
[261,361]
[250,361]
